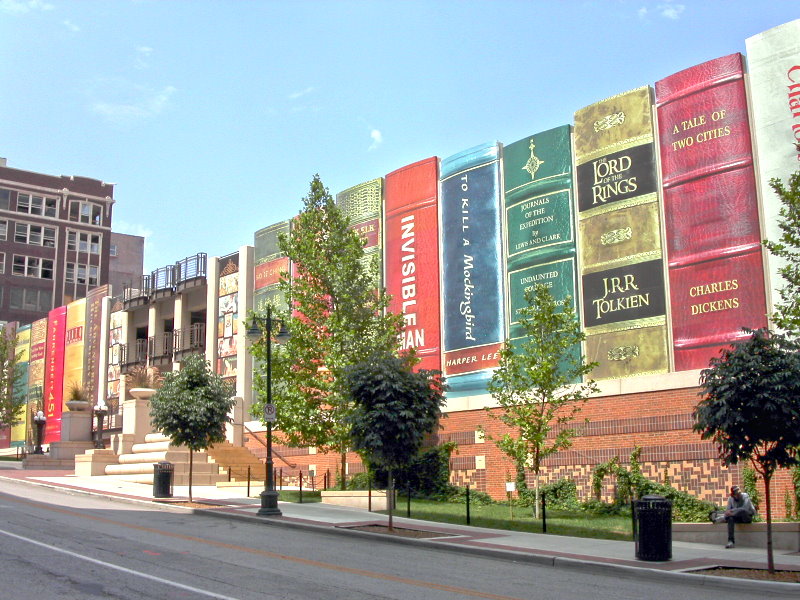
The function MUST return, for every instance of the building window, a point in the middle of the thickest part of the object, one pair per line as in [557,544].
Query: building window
[84,242]
[32,266]
[113,251]
[36,205]
[93,275]
[69,275]
[2,262]
[85,212]
[25,299]
[35,234]
[3,229]
[5,199]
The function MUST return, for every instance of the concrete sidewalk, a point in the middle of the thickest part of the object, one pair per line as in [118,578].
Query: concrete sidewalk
[554,550]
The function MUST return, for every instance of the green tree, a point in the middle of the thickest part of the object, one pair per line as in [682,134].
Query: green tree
[787,312]
[191,407]
[12,398]
[538,383]
[395,407]
[751,407]
[338,319]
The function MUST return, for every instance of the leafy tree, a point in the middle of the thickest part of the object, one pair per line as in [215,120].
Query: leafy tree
[538,383]
[395,407]
[338,319]
[751,407]
[191,407]
[787,312]
[12,398]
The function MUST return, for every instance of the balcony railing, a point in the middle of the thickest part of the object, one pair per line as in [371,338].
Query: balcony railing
[160,348]
[131,355]
[190,340]
[162,282]
[137,292]
[191,271]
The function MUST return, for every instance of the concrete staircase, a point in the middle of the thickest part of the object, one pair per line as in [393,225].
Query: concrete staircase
[236,459]
[137,466]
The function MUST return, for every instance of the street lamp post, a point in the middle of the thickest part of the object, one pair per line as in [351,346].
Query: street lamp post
[100,411]
[269,497]
[39,420]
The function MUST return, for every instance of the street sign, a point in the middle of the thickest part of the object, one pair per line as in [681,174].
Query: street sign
[269,413]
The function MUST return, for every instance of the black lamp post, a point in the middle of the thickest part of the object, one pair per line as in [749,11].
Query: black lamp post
[39,420]
[269,497]
[100,411]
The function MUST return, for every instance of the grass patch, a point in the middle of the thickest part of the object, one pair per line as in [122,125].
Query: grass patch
[10,458]
[294,496]
[497,516]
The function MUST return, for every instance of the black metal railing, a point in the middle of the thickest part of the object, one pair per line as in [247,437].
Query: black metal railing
[136,290]
[162,279]
[191,267]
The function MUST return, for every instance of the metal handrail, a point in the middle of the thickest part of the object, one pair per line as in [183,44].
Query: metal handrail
[263,443]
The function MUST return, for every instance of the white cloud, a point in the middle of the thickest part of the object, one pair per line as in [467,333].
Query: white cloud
[642,12]
[71,26]
[377,139]
[671,11]
[135,102]
[142,54]
[20,7]
[300,94]
[119,226]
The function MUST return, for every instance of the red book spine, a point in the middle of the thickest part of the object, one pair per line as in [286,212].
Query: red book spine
[54,373]
[710,208]
[411,256]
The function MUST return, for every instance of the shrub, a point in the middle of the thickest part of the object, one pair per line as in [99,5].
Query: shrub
[749,478]
[562,494]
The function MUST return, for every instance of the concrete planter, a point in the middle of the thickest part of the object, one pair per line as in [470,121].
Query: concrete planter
[356,498]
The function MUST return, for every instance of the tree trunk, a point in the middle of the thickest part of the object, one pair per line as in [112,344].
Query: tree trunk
[770,558]
[390,499]
[344,468]
[191,464]
[537,503]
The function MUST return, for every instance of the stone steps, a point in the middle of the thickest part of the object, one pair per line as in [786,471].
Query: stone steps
[237,459]
[137,466]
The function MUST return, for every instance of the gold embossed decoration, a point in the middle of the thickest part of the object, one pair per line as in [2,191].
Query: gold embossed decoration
[229,269]
[609,121]
[616,236]
[534,162]
[623,352]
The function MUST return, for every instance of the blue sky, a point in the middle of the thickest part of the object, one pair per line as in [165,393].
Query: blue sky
[212,117]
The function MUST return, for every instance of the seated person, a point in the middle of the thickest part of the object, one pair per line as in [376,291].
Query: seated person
[739,510]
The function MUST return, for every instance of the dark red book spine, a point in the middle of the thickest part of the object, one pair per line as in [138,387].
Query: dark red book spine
[710,209]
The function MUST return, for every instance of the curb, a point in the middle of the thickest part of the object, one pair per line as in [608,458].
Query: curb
[584,565]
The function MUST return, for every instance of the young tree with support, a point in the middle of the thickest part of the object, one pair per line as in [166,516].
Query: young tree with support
[539,383]
[12,400]
[191,407]
[337,319]
[751,407]
[395,407]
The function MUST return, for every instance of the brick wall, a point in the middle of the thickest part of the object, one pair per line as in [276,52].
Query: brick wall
[660,422]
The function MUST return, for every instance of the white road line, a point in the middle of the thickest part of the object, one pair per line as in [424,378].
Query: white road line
[118,568]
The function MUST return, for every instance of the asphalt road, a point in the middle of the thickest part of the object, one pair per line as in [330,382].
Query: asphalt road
[59,546]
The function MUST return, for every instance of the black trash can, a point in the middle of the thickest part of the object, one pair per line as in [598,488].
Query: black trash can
[162,479]
[654,525]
